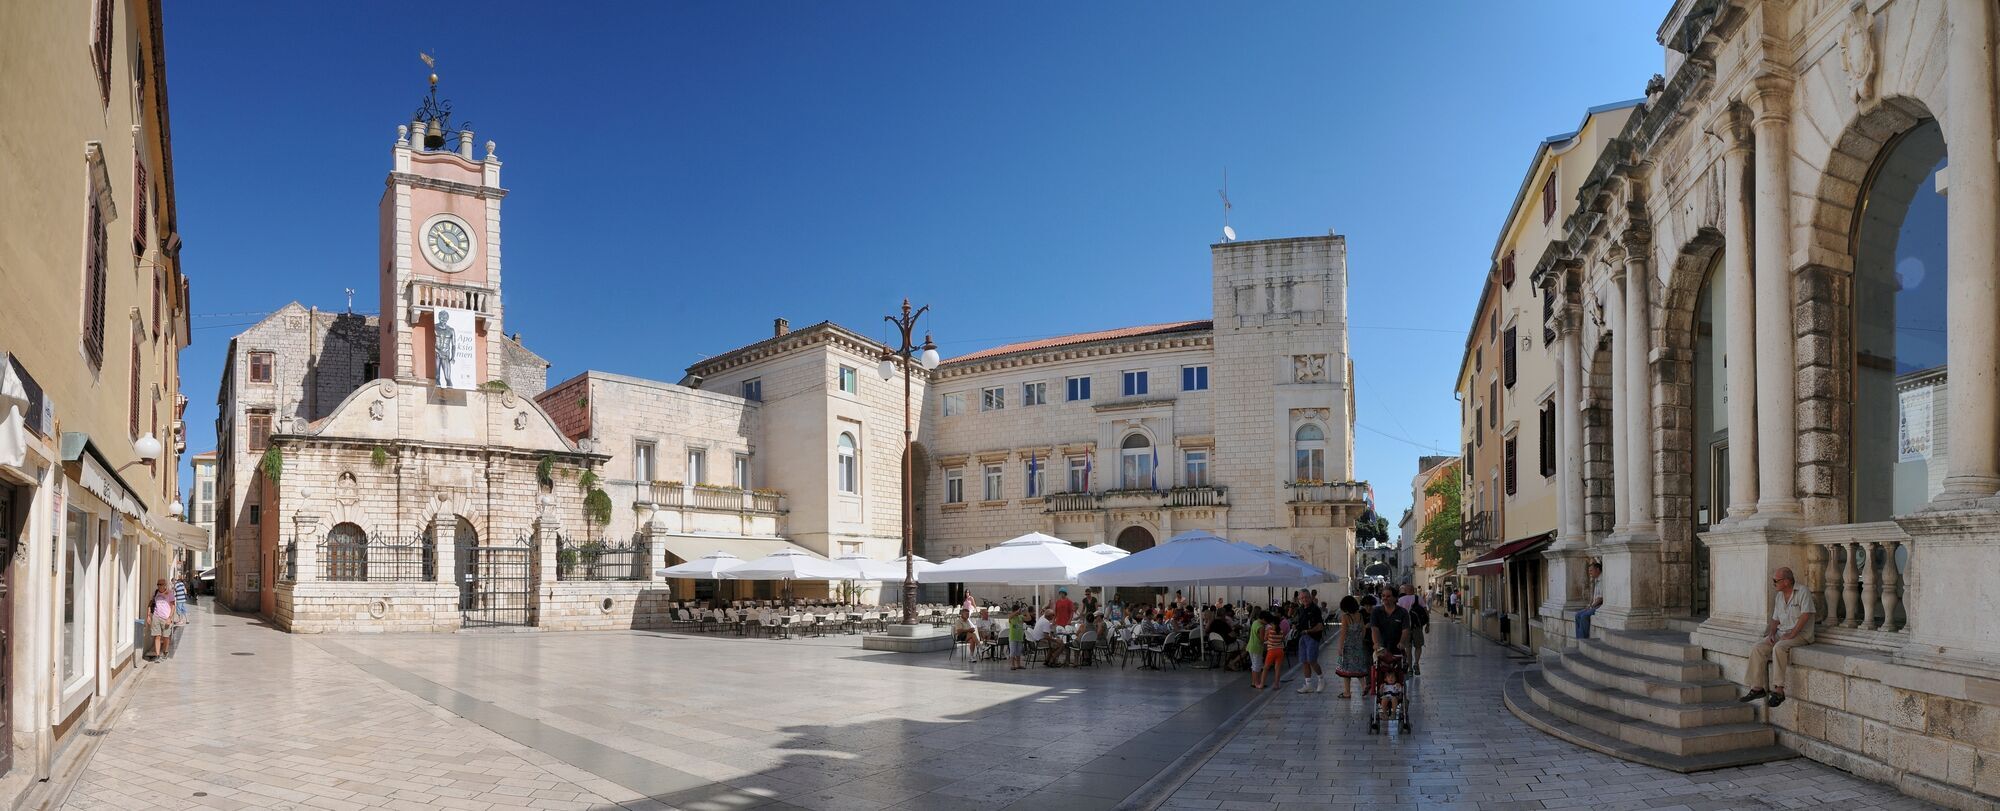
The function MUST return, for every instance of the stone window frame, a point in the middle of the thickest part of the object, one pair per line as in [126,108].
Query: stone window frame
[952,404]
[847,463]
[650,455]
[1135,382]
[1194,377]
[1187,467]
[993,398]
[954,485]
[992,481]
[848,379]
[251,366]
[1034,393]
[1076,388]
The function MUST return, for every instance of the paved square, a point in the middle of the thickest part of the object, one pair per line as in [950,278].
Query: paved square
[247,717]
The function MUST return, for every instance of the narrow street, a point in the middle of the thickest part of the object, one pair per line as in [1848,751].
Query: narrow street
[1467,751]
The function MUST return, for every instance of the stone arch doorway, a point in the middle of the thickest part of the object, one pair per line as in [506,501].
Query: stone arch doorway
[1136,539]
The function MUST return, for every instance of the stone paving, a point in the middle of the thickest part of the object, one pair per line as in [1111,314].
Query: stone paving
[1467,751]
[247,717]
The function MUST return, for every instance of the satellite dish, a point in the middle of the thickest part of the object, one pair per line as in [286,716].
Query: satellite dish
[1228,233]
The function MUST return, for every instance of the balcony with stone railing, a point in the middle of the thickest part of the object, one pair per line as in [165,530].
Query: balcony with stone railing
[706,508]
[1174,498]
[1858,575]
[1328,492]
[427,294]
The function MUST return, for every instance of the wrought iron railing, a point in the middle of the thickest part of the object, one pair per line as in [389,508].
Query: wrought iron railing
[602,560]
[377,560]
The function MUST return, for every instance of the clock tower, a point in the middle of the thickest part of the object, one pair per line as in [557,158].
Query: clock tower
[440,255]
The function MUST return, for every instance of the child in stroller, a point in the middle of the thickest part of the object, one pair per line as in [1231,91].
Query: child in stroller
[1391,704]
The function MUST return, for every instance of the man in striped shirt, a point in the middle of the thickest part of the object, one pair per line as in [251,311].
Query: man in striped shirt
[180,600]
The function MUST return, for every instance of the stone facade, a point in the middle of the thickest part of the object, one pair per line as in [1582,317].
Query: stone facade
[1731,217]
[288,370]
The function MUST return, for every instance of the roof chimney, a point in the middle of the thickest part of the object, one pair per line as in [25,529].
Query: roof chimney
[780,327]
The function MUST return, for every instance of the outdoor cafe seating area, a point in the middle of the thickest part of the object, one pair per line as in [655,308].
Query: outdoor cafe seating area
[1193,560]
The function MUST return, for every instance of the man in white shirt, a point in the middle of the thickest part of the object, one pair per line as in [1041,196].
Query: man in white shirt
[1791,626]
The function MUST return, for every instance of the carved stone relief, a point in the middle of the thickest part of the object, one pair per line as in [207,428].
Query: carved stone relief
[1309,368]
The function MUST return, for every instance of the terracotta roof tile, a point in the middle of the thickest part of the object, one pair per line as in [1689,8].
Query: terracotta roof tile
[1083,338]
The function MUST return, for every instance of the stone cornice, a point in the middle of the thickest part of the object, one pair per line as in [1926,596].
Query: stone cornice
[1126,346]
[451,186]
[1195,441]
[822,332]
[1133,405]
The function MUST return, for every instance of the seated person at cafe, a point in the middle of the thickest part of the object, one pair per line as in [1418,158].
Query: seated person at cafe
[961,628]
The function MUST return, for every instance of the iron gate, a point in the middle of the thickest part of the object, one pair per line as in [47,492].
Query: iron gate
[497,584]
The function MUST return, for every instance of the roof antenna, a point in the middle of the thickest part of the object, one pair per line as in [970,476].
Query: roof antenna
[1228,233]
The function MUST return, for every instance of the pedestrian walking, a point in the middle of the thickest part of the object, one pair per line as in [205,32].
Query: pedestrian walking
[1274,651]
[1312,626]
[180,601]
[1255,647]
[1017,635]
[1351,646]
[159,619]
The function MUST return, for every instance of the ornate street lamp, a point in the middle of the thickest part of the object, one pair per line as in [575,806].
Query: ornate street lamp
[905,355]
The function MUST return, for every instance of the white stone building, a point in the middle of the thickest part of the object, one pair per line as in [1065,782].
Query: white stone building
[201,507]
[1772,272]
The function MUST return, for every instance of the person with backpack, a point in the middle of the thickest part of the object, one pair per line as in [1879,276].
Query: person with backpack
[1420,622]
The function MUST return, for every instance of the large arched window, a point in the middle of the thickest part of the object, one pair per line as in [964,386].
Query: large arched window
[1135,463]
[1309,453]
[1711,397]
[850,465]
[346,553]
[1899,330]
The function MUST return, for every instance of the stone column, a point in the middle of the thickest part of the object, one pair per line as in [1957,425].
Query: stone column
[1631,554]
[1777,439]
[1744,550]
[1972,249]
[1614,316]
[1566,560]
[1638,383]
[1740,306]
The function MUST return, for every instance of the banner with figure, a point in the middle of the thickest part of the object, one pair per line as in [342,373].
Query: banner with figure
[453,342]
[1913,432]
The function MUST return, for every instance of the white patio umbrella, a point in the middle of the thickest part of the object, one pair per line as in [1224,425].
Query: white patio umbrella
[1202,558]
[789,565]
[707,567]
[1107,550]
[868,568]
[1033,559]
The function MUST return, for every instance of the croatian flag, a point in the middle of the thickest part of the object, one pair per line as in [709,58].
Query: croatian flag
[1156,467]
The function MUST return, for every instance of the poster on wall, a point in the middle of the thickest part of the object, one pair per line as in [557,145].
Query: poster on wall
[452,340]
[1913,431]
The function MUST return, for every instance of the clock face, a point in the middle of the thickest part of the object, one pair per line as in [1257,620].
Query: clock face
[448,245]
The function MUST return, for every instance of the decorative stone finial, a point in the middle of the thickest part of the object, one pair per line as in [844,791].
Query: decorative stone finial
[465,144]
[402,134]
[489,150]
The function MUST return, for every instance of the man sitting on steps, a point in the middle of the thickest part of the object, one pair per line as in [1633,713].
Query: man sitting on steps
[1791,626]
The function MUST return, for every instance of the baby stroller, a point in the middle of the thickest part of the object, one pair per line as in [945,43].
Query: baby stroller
[1390,678]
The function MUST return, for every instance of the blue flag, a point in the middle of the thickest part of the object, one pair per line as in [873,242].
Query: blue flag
[1156,467]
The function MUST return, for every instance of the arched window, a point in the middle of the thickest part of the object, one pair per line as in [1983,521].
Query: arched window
[1711,398]
[1899,330]
[850,465]
[1135,463]
[345,555]
[1309,451]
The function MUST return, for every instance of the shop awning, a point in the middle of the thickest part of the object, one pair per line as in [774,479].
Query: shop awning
[1490,563]
[693,547]
[184,535]
[97,475]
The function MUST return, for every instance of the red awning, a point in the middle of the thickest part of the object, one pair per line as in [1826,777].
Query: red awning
[1489,563]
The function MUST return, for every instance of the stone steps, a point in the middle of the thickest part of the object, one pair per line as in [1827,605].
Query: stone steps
[1657,737]
[1665,713]
[1518,701]
[1632,681]
[1670,669]
[1646,696]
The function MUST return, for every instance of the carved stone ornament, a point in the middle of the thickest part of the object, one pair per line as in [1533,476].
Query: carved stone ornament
[1597,311]
[1857,51]
[508,398]
[346,490]
[375,410]
[388,389]
[1309,368]
[520,420]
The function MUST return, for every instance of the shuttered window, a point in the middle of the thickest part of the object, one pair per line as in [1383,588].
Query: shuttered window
[95,249]
[138,330]
[1510,466]
[1507,360]
[100,47]
[141,200]
[260,431]
[1548,439]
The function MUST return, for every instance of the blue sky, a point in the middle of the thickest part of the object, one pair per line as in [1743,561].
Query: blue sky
[682,173]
